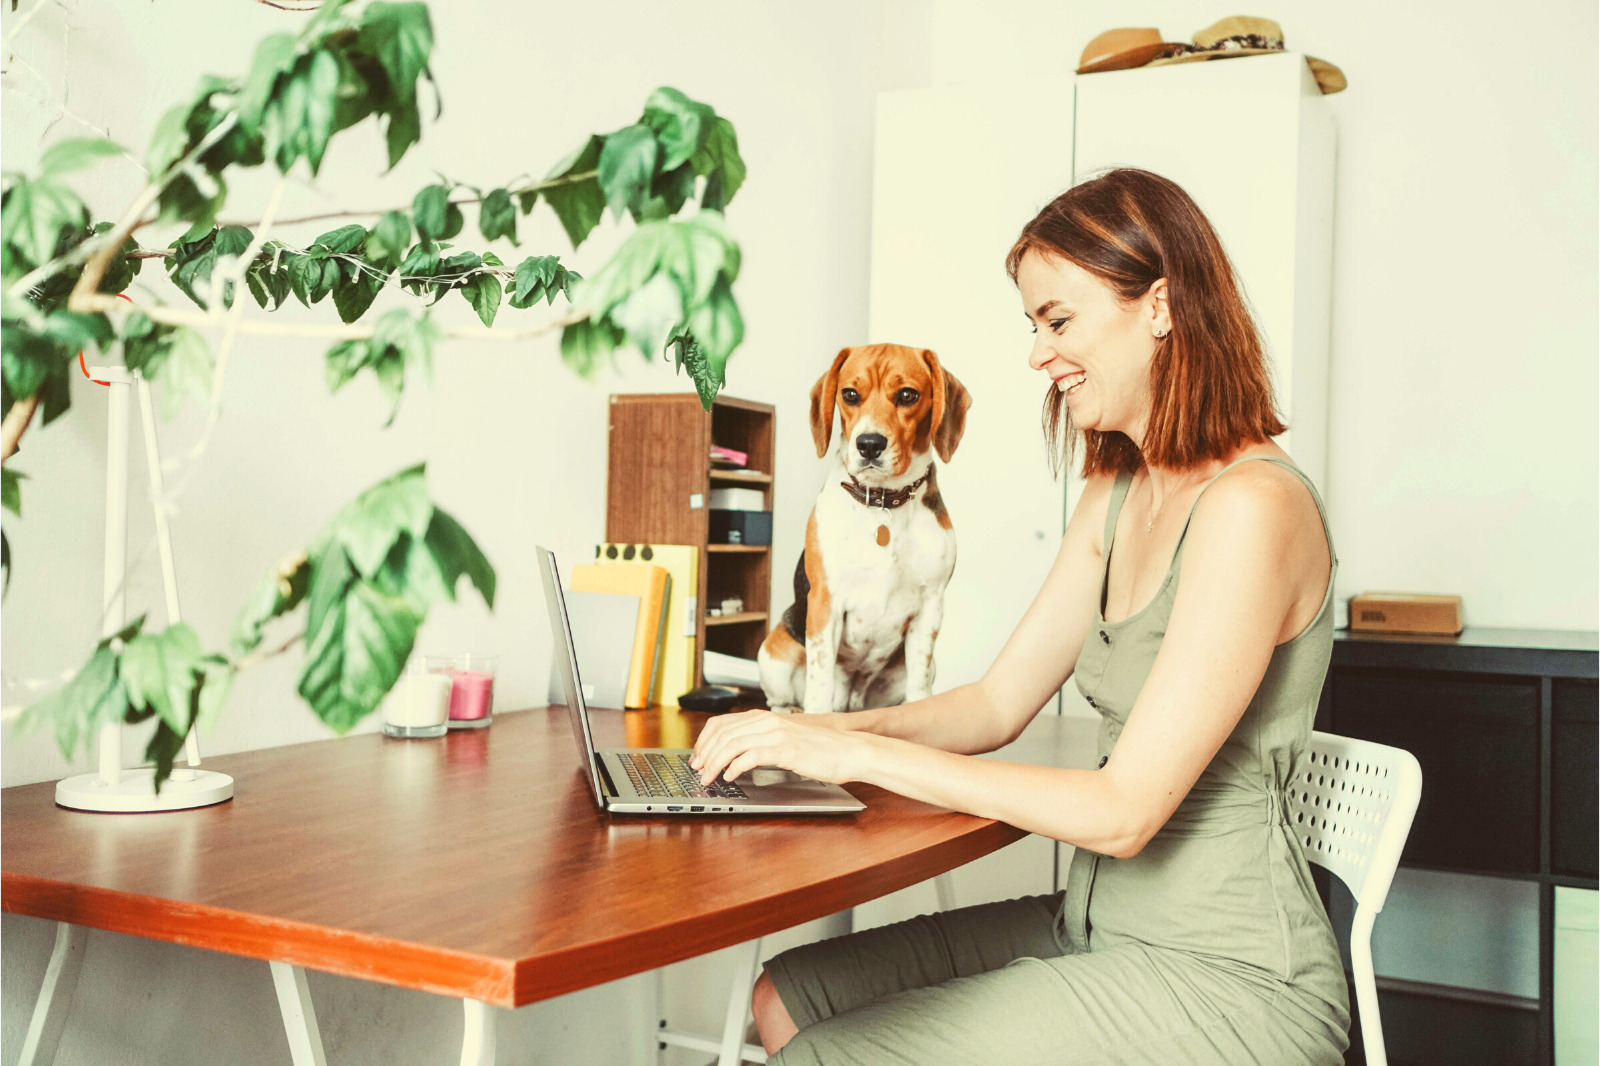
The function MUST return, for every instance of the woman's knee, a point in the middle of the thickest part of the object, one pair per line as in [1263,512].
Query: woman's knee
[772,1017]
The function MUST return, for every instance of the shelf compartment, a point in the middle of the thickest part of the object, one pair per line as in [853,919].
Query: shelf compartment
[735,619]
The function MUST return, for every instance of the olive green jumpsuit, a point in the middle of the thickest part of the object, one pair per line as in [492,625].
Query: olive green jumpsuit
[1210,946]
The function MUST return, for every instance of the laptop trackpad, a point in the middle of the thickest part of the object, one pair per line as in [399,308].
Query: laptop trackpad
[768,775]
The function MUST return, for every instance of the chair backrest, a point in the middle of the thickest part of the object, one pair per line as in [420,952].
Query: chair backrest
[1351,803]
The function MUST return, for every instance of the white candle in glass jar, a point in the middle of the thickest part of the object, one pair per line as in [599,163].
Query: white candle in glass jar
[419,699]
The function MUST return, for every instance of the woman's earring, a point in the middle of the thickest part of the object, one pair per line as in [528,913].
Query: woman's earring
[1160,333]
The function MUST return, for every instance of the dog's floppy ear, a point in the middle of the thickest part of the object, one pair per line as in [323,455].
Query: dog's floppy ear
[822,394]
[950,403]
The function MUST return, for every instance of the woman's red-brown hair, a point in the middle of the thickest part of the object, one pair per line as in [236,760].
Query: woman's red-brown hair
[1210,391]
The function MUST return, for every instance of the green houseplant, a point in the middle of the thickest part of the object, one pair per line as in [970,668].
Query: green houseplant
[369,578]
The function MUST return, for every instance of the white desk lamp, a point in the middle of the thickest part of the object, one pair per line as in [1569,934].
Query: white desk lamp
[112,788]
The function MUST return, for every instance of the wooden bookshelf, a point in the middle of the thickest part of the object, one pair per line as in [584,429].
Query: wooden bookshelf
[658,483]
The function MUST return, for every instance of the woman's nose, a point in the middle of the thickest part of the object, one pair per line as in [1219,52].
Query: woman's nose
[1041,354]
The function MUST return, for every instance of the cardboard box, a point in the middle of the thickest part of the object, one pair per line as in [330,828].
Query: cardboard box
[1406,612]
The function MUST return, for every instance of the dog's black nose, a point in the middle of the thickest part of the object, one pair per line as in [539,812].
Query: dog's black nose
[871,445]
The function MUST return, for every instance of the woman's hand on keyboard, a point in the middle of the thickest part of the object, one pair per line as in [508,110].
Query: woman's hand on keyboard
[734,744]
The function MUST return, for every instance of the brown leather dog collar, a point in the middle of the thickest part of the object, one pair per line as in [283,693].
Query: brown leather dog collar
[885,498]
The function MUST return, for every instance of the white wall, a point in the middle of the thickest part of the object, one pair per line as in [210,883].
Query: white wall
[1464,335]
[1463,448]
[515,443]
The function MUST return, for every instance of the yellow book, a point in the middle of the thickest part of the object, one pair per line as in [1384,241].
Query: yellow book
[682,561]
[649,583]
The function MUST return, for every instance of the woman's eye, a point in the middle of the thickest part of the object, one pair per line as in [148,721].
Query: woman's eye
[850,396]
[907,397]
[1057,323]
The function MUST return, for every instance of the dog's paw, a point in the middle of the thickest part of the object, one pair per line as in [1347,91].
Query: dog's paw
[780,709]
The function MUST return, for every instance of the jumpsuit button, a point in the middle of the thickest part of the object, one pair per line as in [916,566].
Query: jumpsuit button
[1105,636]
[1103,760]
[1090,701]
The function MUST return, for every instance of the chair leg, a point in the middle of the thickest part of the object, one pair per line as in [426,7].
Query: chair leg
[477,1039]
[299,1016]
[945,890]
[1366,987]
[55,996]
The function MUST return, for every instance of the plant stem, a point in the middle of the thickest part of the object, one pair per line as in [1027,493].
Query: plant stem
[570,179]
[262,656]
[16,424]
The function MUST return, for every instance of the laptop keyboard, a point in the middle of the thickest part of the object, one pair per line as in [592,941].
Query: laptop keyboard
[671,776]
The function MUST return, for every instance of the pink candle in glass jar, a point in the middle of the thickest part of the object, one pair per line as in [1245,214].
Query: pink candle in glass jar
[472,692]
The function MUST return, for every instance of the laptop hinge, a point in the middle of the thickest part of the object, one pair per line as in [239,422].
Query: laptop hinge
[606,786]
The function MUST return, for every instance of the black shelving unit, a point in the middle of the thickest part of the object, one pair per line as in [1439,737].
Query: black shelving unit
[1503,722]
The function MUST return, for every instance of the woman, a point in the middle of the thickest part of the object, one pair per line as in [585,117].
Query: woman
[1191,602]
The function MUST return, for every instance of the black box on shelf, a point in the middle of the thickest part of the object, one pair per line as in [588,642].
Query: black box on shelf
[740,527]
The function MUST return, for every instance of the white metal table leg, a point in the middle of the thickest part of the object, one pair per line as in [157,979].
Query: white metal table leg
[299,1017]
[744,979]
[477,1039]
[945,890]
[55,996]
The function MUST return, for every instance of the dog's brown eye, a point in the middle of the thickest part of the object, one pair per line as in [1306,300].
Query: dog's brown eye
[907,397]
[850,396]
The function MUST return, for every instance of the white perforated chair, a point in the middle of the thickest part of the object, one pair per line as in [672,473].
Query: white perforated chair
[1350,804]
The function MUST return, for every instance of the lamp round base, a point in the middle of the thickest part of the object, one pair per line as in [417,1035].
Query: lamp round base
[136,792]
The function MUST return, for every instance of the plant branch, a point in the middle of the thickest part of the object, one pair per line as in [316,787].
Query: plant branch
[202,319]
[570,179]
[16,424]
[255,658]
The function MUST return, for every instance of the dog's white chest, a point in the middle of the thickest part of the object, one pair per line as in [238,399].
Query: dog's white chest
[878,588]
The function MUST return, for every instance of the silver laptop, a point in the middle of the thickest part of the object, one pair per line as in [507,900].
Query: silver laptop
[659,780]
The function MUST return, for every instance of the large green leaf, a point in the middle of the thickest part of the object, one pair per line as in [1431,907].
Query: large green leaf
[386,241]
[75,153]
[11,490]
[274,55]
[429,210]
[193,262]
[456,553]
[93,697]
[483,293]
[369,525]
[718,160]
[401,37]
[627,164]
[344,239]
[578,204]
[354,653]
[158,670]
[679,122]
[37,215]
[352,298]
[497,216]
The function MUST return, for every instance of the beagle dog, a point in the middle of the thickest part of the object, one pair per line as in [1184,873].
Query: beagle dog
[869,587]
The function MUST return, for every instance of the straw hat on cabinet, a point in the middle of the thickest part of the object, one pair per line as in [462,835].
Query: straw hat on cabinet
[1245,35]
[1124,49]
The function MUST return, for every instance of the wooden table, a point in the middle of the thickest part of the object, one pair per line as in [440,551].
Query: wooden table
[477,865]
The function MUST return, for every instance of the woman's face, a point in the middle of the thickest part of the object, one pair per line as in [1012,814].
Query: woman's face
[1095,347]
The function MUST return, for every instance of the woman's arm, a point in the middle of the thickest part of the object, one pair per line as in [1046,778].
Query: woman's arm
[1247,562]
[1036,661]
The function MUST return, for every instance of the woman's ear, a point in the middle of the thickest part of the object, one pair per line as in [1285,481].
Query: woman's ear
[1160,312]
[822,394]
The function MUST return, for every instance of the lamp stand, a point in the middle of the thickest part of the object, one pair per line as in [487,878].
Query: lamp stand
[112,788]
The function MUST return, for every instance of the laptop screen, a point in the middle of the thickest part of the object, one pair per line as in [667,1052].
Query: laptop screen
[566,665]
